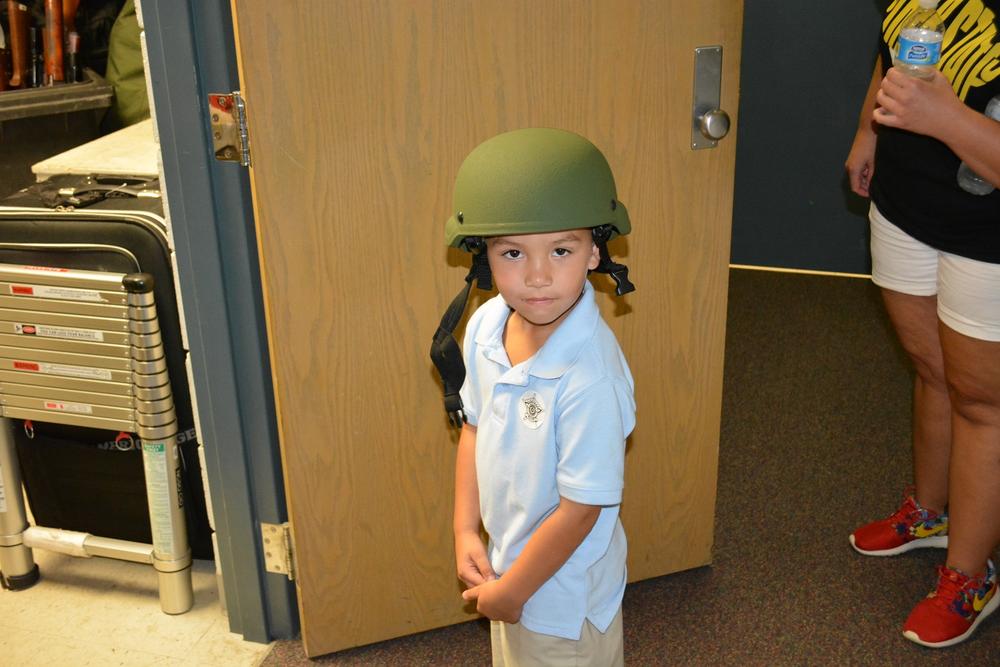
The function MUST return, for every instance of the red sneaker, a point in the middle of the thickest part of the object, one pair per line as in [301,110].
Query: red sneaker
[911,527]
[951,613]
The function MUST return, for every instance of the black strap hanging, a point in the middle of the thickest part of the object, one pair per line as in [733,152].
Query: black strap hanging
[618,272]
[446,353]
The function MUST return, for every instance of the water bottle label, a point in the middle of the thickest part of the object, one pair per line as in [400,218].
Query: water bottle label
[919,53]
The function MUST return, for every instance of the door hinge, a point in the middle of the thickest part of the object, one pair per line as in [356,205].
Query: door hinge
[279,552]
[228,117]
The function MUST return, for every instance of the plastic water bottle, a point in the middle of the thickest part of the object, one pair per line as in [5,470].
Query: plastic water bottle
[920,41]
[969,180]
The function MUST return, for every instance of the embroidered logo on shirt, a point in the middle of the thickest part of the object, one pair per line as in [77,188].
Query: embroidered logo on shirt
[532,409]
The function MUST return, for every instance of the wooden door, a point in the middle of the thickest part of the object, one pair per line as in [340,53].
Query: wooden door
[360,113]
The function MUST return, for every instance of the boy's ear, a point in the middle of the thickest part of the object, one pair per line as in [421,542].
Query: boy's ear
[595,257]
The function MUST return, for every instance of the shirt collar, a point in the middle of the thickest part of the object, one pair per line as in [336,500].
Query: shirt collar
[560,350]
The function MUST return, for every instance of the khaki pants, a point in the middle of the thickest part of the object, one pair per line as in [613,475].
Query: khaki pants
[513,646]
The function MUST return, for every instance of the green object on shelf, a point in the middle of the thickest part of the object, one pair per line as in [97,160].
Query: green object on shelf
[125,71]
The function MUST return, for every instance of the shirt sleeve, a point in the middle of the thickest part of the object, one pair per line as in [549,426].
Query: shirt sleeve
[469,393]
[590,437]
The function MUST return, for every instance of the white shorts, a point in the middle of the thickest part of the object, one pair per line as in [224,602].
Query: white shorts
[968,291]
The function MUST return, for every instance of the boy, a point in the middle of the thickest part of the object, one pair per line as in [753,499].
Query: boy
[548,401]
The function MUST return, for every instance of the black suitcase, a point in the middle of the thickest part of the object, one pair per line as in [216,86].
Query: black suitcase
[85,479]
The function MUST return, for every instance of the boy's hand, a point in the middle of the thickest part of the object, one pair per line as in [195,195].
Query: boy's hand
[473,564]
[494,602]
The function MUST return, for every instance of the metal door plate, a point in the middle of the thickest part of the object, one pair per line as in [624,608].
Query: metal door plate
[707,91]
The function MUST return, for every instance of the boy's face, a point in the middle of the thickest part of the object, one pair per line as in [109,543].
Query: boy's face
[541,276]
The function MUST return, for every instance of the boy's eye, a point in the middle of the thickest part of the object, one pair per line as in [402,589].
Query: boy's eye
[511,254]
[561,252]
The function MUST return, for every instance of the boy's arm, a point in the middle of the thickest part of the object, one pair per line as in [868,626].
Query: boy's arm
[551,545]
[470,553]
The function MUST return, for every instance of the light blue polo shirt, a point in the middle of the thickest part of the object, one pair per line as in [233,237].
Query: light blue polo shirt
[554,425]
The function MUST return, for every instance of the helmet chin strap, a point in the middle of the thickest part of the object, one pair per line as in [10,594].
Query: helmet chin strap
[618,272]
[446,353]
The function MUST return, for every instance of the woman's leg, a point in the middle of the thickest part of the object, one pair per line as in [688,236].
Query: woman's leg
[966,591]
[973,371]
[916,323]
[969,331]
[907,272]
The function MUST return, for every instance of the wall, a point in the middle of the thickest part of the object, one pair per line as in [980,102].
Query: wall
[806,68]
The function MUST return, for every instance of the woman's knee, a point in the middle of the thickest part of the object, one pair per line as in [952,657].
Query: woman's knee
[974,400]
[927,359]
[972,368]
[915,321]
[930,370]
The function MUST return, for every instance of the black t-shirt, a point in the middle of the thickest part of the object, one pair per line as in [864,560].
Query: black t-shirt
[915,183]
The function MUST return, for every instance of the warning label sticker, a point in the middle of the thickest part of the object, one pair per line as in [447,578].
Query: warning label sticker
[158,478]
[66,333]
[52,292]
[63,369]
[76,408]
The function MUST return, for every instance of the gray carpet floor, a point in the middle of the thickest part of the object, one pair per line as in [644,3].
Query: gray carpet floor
[815,440]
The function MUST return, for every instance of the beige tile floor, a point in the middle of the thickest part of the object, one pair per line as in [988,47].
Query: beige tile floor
[100,612]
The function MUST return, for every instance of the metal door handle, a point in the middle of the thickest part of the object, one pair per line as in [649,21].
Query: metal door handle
[714,124]
[709,123]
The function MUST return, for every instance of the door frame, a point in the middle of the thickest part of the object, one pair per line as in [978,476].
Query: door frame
[190,51]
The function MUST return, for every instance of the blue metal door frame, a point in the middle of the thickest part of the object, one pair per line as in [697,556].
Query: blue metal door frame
[191,52]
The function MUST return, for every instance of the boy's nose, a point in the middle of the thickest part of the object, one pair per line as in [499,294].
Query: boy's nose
[538,274]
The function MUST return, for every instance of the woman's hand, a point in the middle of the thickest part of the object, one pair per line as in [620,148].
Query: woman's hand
[924,106]
[860,163]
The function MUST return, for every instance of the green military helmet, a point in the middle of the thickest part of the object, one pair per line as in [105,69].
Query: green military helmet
[524,182]
[534,180]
